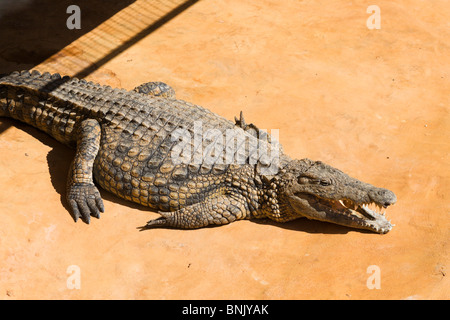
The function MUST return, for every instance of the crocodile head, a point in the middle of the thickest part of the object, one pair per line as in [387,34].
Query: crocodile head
[315,190]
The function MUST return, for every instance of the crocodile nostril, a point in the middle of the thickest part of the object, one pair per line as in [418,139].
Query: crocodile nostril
[383,196]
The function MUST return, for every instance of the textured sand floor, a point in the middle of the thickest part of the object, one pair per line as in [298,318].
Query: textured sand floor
[373,103]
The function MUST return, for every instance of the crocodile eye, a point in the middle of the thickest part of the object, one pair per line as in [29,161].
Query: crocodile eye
[303,180]
[310,180]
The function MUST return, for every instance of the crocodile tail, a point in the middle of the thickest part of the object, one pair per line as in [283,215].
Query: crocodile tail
[28,97]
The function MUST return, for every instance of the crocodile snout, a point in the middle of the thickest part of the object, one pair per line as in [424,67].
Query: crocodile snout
[383,197]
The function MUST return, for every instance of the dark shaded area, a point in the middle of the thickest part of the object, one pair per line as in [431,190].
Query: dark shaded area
[33,30]
[136,38]
[311,226]
[301,225]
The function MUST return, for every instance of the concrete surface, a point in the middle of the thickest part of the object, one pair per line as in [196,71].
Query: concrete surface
[374,103]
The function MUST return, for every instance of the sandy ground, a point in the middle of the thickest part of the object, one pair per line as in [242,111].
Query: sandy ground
[374,103]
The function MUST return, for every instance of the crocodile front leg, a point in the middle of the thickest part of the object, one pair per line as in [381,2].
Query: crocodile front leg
[82,195]
[213,211]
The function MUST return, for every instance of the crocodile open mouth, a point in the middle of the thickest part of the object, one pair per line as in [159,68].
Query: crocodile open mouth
[368,215]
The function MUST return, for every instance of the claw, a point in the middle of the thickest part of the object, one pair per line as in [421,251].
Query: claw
[93,208]
[85,200]
[158,222]
[75,211]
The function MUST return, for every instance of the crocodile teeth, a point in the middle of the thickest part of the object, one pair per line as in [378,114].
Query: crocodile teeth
[369,211]
[374,208]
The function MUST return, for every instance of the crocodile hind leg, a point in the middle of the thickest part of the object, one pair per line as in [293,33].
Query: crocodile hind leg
[213,211]
[156,89]
[82,195]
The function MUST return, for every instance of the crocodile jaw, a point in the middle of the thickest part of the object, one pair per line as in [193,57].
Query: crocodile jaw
[368,215]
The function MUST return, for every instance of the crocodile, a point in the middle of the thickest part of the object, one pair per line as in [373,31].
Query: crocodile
[125,143]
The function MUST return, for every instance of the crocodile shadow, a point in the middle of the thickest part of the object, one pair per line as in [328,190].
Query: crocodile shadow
[310,226]
[33,30]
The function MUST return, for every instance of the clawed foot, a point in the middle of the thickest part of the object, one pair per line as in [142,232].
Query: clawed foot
[85,200]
